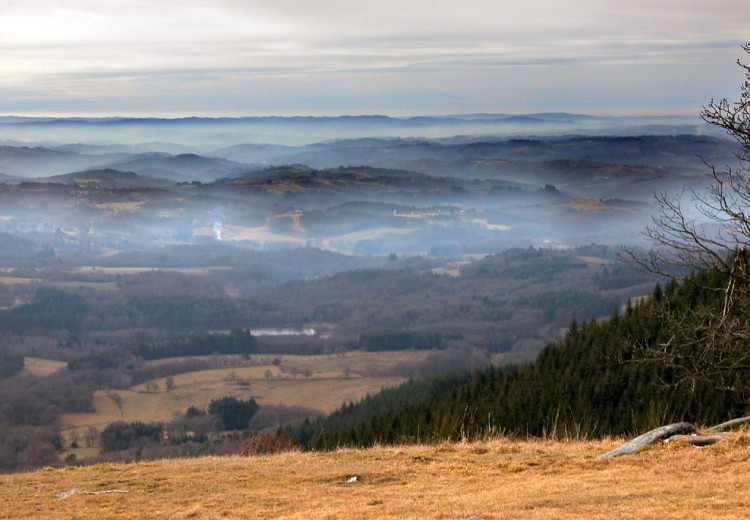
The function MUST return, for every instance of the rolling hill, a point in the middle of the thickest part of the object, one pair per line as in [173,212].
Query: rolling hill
[182,167]
[108,178]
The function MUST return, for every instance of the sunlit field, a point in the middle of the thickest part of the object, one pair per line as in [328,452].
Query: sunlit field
[42,367]
[495,479]
[321,383]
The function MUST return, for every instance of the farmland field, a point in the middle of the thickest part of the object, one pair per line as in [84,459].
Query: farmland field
[42,367]
[14,280]
[99,286]
[331,381]
[137,270]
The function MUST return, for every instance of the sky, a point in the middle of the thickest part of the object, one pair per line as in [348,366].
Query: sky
[393,57]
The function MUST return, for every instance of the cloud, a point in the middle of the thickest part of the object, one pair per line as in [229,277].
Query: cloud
[130,51]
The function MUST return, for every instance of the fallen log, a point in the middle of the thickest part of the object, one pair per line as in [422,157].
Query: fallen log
[651,437]
[726,425]
[696,440]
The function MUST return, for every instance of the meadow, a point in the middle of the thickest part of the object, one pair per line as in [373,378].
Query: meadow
[493,479]
[42,367]
[322,383]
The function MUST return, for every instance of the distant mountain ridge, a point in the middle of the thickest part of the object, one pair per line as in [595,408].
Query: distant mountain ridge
[109,178]
[206,133]
[369,118]
[639,165]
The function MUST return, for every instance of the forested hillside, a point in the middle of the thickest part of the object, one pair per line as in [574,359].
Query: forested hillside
[589,384]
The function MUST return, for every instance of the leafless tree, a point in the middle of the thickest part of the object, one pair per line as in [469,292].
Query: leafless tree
[91,435]
[73,438]
[707,230]
[715,222]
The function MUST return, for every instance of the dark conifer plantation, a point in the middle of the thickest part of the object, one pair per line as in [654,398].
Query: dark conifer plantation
[588,384]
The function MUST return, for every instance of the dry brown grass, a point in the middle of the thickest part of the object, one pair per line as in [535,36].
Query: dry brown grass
[494,227]
[368,234]
[593,260]
[358,361]
[138,270]
[589,205]
[594,206]
[324,394]
[118,206]
[494,479]
[451,268]
[15,280]
[262,235]
[297,234]
[97,286]
[42,367]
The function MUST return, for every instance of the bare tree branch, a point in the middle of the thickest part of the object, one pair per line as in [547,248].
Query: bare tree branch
[707,342]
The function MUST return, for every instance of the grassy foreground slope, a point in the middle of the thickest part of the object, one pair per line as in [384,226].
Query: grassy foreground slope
[494,479]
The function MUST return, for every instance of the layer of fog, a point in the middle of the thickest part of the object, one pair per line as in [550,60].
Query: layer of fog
[203,135]
[448,196]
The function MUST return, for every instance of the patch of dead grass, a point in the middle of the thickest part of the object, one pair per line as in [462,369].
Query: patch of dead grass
[495,479]
[16,280]
[326,389]
[588,205]
[138,270]
[199,388]
[42,367]
[118,206]
[358,361]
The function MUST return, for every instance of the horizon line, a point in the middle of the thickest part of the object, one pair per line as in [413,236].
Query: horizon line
[498,115]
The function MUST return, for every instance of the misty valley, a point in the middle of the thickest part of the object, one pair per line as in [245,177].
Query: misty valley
[364,260]
[166,295]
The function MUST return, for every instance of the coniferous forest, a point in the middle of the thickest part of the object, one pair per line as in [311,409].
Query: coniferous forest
[589,384]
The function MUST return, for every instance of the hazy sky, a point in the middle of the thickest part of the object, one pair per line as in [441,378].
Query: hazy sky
[395,57]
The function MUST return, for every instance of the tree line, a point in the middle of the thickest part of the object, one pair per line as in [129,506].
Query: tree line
[223,414]
[10,363]
[238,341]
